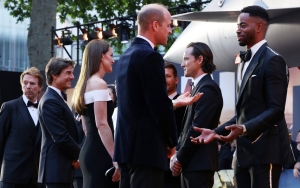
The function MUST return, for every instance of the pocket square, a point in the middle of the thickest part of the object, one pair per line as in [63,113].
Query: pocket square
[253,75]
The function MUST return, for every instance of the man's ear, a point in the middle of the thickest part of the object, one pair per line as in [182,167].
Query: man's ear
[176,80]
[155,25]
[200,60]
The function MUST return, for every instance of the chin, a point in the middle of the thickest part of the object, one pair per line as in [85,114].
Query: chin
[241,43]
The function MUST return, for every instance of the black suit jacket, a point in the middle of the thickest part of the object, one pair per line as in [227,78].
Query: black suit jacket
[19,143]
[146,123]
[205,113]
[179,113]
[59,139]
[260,107]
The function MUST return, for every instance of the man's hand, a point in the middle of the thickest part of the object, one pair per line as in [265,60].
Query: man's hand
[206,137]
[76,164]
[116,175]
[170,152]
[236,130]
[175,166]
[297,170]
[185,99]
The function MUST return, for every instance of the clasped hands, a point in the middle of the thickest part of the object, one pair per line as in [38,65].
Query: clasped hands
[175,166]
[209,135]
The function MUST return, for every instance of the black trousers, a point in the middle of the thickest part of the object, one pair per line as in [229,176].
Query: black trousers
[262,176]
[138,176]
[197,179]
[12,185]
[58,185]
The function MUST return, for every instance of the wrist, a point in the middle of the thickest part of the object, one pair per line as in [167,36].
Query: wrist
[244,133]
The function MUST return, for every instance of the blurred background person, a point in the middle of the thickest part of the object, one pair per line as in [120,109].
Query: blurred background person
[296,169]
[112,93]
[171,82]
[91,100]
[78,178]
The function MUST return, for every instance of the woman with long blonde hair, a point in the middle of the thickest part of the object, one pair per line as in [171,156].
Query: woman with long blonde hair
[92,101]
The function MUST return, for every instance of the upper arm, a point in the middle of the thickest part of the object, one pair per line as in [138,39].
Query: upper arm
[53,118]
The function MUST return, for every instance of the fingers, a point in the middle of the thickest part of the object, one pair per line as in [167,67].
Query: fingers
[116,175]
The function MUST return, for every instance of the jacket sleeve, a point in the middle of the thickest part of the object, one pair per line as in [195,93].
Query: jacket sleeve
[5,123]
[155,92]
[275,85]
[52,115]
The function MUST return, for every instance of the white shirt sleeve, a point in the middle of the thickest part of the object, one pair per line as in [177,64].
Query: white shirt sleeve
[96,95]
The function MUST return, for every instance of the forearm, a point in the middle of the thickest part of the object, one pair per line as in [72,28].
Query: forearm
[106,136]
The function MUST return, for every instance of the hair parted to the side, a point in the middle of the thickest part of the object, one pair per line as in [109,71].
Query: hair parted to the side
[149,14]
[256,11]
[55,66]
[33,72]
[171,66]
[202,49]
[91,61]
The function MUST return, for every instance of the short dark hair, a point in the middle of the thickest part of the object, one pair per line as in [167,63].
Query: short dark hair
[171,66]
[202,49]
[257,11]
[55,66]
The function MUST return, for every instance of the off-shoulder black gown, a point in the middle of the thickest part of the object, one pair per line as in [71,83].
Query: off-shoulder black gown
[94,158]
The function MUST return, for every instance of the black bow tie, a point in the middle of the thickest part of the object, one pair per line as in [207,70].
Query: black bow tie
[35,105]
[64,95]
[245,55]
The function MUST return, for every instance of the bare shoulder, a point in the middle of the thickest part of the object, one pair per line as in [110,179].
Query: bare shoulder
[95,83]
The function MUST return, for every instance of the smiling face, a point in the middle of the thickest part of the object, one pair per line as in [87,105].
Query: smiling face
[30,87]
[107,61]
[64,79]
[246,32]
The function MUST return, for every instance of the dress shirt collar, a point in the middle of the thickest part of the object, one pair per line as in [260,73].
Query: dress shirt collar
[198,79]
[255,48]
[57,91]
[142,37]
[172,95]
[25,99]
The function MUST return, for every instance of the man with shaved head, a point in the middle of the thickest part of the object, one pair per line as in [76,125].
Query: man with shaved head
[146,127]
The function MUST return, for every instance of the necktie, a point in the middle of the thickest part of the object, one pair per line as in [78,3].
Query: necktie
[245,56]
[35,105]
[64,95]
[192,86]
[155,48]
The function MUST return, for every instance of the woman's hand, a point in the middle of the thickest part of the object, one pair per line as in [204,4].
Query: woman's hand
[116,175]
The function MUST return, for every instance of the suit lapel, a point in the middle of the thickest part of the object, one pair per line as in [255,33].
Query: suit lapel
[27,119]
[65,106]
[254,62]
[194,91]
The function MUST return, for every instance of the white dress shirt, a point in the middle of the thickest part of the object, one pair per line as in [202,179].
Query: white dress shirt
[32,110]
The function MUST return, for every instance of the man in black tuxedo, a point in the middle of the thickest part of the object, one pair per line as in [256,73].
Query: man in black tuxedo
[146,125]
[59,151]
[20,135]
[259,125]
[171,181]
[198,163]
